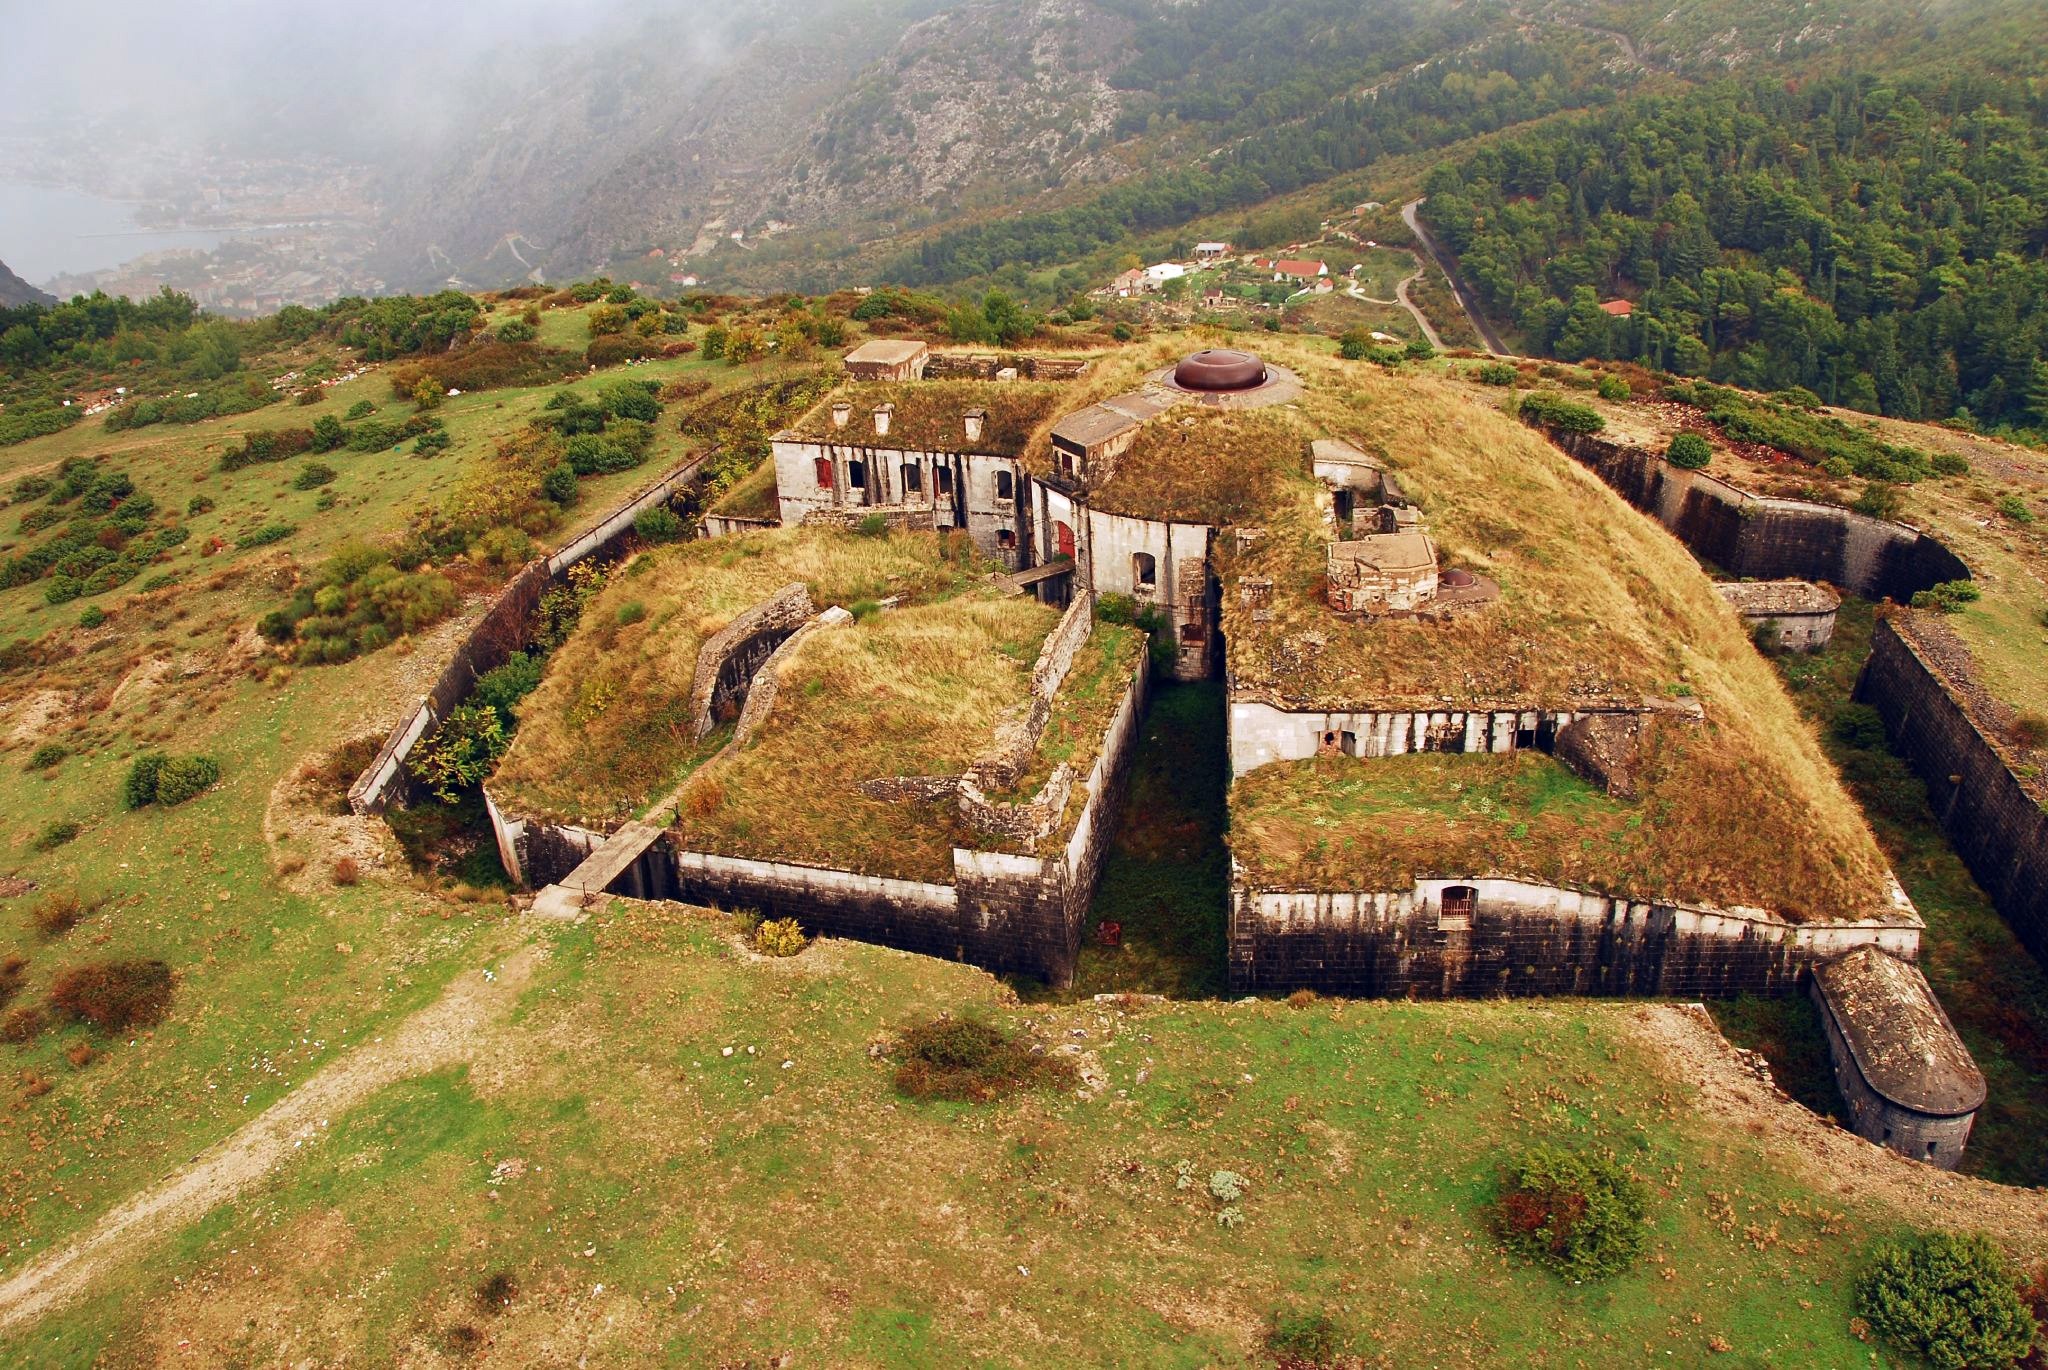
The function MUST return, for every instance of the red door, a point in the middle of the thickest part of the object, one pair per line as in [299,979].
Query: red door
[1065,535]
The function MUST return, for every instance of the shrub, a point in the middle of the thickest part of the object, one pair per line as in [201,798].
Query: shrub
[959,1058]
[1354,345]
[1580,1215]
[1613,388]
[2015,508]
[55,835]
[1555,411]
[779,937]
[22,1025]
[659,524]
[361,409]
[138,787]
[13,970]
[631,612]
[460,752]
[46,756]
[346,872]
[2030,729]
[185,777]
[873,526]
[1302,1340]
[57,912]
[1946,1298]
[515,331]
[1689,451]
[502,687]
[1879,500]
[113,995]
[559,484]
[313,475]
[1949,597]
[264,536]
[1496,373]
[91,616]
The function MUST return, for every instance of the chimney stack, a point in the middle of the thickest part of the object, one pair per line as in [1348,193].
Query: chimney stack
[842,410]
[883,413]
[975,419]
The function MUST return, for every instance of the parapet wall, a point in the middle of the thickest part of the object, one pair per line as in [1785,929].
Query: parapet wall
[1998,829]
[1525,939]
[506,627]
[985,365]
[730,658]
[1763,538]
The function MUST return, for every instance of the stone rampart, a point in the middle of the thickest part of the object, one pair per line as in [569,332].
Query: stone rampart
[1521,938]
[1997,827]
[730,658]
[1764,538]
[505,628]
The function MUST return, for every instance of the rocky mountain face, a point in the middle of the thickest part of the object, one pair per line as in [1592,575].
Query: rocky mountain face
[803,131]
[15,291]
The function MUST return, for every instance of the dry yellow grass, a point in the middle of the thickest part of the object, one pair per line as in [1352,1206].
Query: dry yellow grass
[609,730]
[914,691]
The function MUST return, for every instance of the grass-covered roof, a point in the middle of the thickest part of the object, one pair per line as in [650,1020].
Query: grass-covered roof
[930,416]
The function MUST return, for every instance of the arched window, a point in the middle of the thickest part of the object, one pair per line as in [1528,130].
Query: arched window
[1144,571]
[1459,903]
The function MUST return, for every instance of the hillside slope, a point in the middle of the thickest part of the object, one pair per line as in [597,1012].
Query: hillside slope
[14,291]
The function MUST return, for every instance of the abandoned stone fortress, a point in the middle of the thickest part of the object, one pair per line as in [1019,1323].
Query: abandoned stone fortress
[1490,732]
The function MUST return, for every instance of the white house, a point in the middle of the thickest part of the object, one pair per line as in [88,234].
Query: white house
[1163,272]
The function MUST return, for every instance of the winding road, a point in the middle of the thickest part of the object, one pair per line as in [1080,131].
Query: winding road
[1466,299]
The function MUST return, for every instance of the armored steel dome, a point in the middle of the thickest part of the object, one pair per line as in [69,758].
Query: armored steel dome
[1219,369]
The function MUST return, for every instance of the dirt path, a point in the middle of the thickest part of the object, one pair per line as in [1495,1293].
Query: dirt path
[446,1032]
[1834,1160]
[1401,298]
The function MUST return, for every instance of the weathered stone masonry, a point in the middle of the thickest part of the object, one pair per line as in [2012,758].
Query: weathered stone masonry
[1998,829]
[1516,937]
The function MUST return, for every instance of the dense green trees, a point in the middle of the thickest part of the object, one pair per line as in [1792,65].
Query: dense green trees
[1880,244]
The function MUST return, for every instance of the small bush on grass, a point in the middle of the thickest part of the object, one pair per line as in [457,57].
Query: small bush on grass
[91,616]
[113,996]
[1580,1215]
[2015,508]
[1689,452]
[80,1054]
[959,1058]
[57,912]
[631,612]
[55,835]
[873,526]
[1949,597]
[1303,1340]
[1859,726]
[1558,412]
[779,937]
[2030,730]
[22,1026]
[185,777]
[1949,1299]
[495,1292]
[13,970]
[313,475]
[347,872]
[1496,373]
[46,756]
[460,753]
[659,524]
[156,778]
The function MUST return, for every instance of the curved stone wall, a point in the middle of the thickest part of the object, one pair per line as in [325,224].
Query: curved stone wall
[1762,538]
[727,661]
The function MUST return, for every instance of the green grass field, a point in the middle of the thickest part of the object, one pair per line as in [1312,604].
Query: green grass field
[653,1200]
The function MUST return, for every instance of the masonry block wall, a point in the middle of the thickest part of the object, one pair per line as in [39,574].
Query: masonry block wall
[1934,1140]
[1522,940]
[1768,539]
[1996,826]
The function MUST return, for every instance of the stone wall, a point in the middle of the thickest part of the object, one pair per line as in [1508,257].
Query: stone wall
[984,366]
[1262,733]
[729,659]
[1998,829]
[506,627]
[1935,1141]
[1525,939]
[1764,538]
